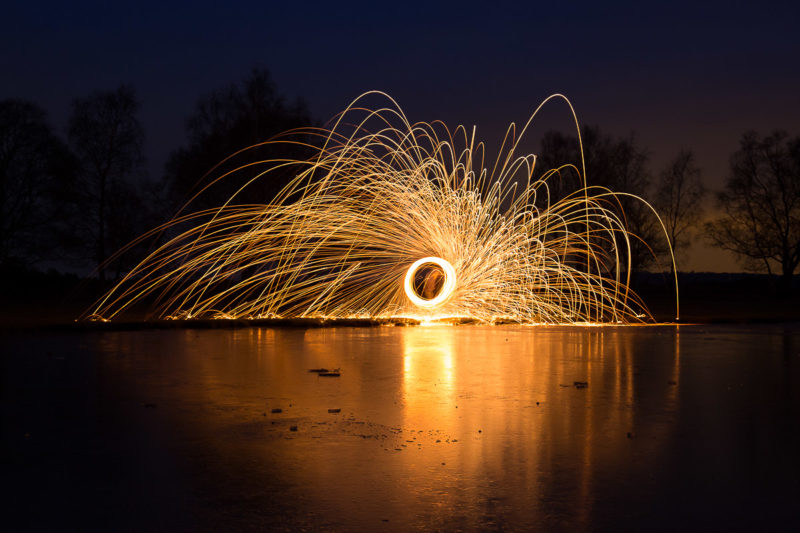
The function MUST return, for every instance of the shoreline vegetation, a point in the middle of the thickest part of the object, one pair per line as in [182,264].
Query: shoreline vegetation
[35,300]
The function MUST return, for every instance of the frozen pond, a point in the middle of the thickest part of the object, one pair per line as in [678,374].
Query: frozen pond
[432,428]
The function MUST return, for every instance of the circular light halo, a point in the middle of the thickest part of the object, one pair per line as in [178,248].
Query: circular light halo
[448,286]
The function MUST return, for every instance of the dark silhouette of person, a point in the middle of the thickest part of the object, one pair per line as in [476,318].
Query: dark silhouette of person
[432,284]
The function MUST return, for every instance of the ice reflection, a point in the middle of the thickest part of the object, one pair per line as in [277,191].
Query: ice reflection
[428,383]
[439,427]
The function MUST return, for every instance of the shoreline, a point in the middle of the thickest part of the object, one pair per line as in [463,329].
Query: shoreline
[315,323]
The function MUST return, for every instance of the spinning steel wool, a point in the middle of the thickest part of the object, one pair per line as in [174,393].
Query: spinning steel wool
[391,219]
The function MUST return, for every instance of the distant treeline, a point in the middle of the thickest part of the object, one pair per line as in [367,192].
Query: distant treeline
[74,200]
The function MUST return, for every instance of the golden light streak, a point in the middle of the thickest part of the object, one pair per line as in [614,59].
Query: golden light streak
[380,198]
[448,286]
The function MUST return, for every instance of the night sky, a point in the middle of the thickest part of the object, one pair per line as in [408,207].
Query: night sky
[678,75]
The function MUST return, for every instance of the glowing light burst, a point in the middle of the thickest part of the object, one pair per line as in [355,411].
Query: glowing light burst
[380,200]
[439,296]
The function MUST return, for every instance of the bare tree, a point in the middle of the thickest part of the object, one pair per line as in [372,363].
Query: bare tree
[107,138]
[618,164]
[761,204]
[230,119]
[558,149]
[32,164]
[628,173]
[679,199]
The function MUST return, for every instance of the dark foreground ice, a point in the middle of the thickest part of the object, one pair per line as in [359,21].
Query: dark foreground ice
[426,428]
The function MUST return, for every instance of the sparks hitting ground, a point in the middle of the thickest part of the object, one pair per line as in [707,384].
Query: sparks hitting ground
[398,220]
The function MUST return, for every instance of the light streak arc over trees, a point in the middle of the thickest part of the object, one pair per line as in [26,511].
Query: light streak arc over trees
[379,195]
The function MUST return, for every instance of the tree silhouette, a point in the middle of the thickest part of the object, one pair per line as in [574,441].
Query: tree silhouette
[679,199]
[231,119]
[107,138]
[761,204]
[35,168]
[618,164]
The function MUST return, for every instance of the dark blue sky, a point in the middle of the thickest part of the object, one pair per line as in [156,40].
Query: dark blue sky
[679,75]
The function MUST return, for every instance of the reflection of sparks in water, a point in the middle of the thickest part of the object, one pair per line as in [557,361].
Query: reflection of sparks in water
[429,385]
[380,197]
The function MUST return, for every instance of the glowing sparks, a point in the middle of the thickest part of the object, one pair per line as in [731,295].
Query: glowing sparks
[438,295]
[362,230]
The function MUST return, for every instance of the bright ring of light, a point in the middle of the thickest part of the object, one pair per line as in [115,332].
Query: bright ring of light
[447,287]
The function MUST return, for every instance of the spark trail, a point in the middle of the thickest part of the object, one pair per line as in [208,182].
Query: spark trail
[391,219]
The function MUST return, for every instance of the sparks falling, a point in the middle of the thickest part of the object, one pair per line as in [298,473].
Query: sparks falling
[391,219]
